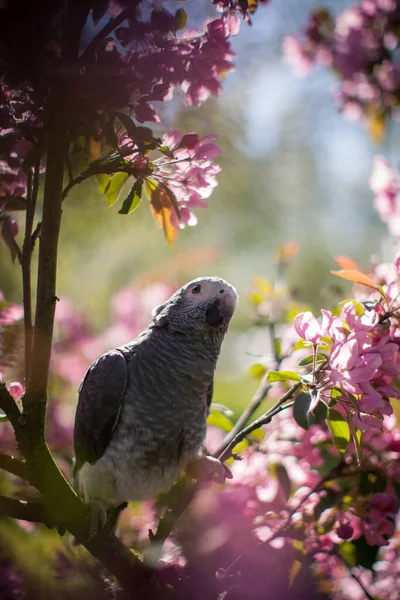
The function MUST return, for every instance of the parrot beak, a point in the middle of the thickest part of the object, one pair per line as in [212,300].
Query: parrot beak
[220,311]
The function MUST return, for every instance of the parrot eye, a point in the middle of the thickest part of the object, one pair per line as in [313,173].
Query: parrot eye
[196,289]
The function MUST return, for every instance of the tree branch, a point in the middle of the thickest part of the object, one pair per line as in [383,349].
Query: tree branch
[15,466]
[172,514]
[26,256]
[36,390]
[28,511]
[9,406]
[59,500]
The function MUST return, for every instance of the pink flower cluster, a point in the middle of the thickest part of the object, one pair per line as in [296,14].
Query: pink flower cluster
[191,174]
[360,46]
[385,183]
[362,362]
[379,525]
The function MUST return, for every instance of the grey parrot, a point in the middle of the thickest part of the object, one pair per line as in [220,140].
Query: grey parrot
[142,408]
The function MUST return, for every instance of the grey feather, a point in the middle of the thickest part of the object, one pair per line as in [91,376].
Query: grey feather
[99,405]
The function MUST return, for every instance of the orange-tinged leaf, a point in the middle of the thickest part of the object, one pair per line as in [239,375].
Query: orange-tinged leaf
[346,263]
[252,5]
[164,206]
[163,218]
[288,250]
[93,149]
[263,286]
[294,571]
[377,127]
[356,277]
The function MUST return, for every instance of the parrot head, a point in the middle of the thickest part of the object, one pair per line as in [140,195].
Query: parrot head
[206,304]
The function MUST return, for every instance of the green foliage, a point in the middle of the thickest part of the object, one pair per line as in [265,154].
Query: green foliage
[114,186]
[359,553]
[274,376]
[132,201]
[308,360]
[339,429]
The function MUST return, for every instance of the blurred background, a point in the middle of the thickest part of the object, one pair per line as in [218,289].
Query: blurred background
[293,169]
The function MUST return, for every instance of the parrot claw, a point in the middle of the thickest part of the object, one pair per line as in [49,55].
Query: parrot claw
[98,519]
[209,469]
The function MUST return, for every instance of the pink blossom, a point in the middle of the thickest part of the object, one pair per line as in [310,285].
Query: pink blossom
[345,531]
[191,173]
[16,389]
[379,523]
[308,327]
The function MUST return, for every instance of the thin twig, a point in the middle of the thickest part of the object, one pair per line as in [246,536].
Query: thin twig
[107,169]
[354,576]
[36,233]
[259,396]
[230,442]
[109,28]
[263,420]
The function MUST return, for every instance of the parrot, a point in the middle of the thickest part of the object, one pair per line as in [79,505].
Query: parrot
[143,406]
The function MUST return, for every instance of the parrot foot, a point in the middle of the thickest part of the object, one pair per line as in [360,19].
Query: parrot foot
[209,469]
[98,519]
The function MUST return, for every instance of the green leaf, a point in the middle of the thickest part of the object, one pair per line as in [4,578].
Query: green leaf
[319,414]
[103,182]
[329,500]
[396,486]
[258,434]
[366,555]
[282,376]
[219,419]
[349,553]
[11,203]
[127,123]
[165,150]
[3,418]
[301,344]
[278,347]
[300,410]
[371,483]
[257,371]
[285,485]
[308,360]
[339,429]
[107,127]
[132,201]
[8,237]
[114,187]
[225,410]
[180,19]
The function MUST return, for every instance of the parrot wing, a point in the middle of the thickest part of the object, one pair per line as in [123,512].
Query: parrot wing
[210,393]
[100,401]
